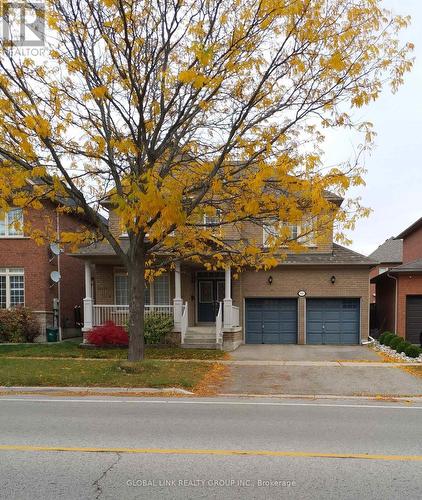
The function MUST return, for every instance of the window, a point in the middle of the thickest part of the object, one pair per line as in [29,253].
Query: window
[121,288]
[307,231]
[147,296]
[157,292]
[12,288]
[11,223]
[161,289]
[382,270]
[274,230]
[213,220]
[301,233]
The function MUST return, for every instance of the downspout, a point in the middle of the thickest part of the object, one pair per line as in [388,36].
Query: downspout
[395,300]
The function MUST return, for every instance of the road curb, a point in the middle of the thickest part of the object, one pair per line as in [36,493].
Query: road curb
[176,391]
[386,397]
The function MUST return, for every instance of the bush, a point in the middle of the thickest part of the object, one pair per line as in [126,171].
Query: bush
[108,334]
[412,351]
[157,327]
[402,346]
[388,338]
[18,325]
[395,342]
[383,336]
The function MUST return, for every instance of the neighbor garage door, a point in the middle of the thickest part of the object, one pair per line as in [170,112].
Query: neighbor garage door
[271,321]
[413,318]
[332,321]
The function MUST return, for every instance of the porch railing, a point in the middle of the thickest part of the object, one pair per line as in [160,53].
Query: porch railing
[119,314]
[235,316]
[219,324]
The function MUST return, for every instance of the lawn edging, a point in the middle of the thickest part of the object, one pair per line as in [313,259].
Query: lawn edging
[92,390]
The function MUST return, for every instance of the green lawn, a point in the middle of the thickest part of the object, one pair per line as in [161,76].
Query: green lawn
[71,349]
[83,373]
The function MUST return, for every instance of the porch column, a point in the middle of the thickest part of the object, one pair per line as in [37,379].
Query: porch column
[88,302]
[177,301]
[228,299]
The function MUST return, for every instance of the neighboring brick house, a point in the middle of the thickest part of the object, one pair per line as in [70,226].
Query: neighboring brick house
[317,297]
[25,268]
[399,290]
[387,255]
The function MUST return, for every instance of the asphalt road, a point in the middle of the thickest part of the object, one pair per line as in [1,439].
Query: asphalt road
[128,448]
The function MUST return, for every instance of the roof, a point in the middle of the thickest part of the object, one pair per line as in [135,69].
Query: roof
[414,267]
[410,267]
[413,227]
[99,249]
[390,251]
[339,256]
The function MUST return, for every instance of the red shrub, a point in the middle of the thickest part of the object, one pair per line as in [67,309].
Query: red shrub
[108,334]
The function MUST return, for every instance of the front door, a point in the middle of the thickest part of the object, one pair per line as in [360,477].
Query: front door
[210,293]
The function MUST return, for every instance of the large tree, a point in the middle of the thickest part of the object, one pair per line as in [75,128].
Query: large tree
[170,110]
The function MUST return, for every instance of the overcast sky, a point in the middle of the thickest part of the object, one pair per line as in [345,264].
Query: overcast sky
[394,178]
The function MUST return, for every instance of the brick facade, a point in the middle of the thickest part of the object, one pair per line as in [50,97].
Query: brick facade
[237,231]
[37,262]
[412,246]
[315,281]
[287,281]
[407,285]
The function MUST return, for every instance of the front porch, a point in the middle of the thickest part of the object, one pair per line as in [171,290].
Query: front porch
[200,303]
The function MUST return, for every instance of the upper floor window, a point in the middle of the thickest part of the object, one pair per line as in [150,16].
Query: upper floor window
[212,220]
[294,232]
[11,223]
[273,231]
[307,234]
[12,287]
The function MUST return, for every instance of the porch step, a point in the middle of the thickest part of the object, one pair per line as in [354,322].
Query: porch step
[204,345]
[200,340]
[200,337]
[201,330]
[195,335]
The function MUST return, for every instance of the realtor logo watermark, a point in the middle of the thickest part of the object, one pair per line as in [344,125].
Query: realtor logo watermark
[22,24]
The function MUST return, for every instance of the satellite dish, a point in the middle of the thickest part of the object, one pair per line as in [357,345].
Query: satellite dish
[55,248]
[55,276]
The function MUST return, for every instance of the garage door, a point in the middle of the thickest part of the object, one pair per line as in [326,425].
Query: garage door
[332,321]
[413,318]
[271,321]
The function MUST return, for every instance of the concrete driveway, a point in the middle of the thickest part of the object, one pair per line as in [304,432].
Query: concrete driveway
[388,380]
[290,352]
[311,370]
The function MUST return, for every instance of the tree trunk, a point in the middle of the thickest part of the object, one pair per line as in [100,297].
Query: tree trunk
[136,275]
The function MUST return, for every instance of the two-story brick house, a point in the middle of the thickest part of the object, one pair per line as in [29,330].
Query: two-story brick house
[25,268]
[399,289]
[317,297]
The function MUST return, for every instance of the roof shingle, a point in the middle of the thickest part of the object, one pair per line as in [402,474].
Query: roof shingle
[339,255]
[390,251]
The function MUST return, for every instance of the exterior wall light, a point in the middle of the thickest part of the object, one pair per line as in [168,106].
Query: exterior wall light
[270,280]
[333,279]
